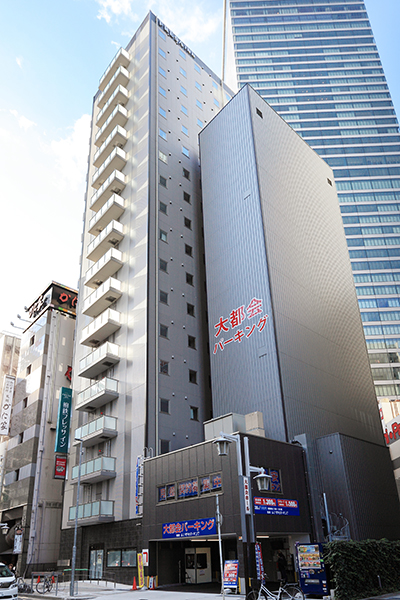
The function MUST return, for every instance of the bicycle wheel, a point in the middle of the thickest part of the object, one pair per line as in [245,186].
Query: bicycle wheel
[41,586]
[253,595]
[48,585]
[292,591]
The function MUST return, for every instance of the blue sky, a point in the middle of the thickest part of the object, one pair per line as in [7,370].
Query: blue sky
[52,54]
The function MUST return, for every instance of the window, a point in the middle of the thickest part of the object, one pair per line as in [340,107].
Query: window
[199,123]
[189,279]
[164,446]
[164,406]
[163,331]
[24,402]
[164,367]
[197,68]
[162,134]
[162,156]
[185,151]
[162,53]
[32,340]
[16,475]
[194,413]
[162,91]
[113,558]
[215,86]
[184,110]
[163,265]
[183,90]
[216,102]
[128,558]
[188,250]
[162,35]
[163,297]
[182,72]
[187,222]
[185,130]
[199,104]
[163,181]
[186,173]
[192,376]
[162,72]
[186,196]
[182,54]
[191,342]
[258,111]
[162,112]
[198,85]
[20,437]
[29,369]
[190,309]
[163,235]
[163,208]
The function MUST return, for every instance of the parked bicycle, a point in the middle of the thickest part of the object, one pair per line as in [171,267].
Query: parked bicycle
[288,591]
[23,586]
[45,584]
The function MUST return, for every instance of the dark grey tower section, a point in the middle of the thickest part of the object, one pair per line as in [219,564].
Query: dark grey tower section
[275,244]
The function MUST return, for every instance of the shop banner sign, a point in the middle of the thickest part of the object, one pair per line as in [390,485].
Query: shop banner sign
[276,506]
[231,573]
[19,533]
[140,570]
[63,419]
[311,569]
[8,393]
[259,562]
[195,528]
[60,467]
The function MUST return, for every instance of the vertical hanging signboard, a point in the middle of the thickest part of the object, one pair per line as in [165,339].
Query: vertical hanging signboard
[63,420]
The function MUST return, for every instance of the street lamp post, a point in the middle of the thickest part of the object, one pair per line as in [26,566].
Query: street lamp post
[221,562]
[73,562]
[245,496]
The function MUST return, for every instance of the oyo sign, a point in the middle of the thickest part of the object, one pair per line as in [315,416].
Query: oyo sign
[392,431]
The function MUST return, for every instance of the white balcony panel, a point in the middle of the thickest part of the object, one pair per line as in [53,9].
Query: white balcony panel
[99,360]
[119,116]
[101,299]
[115,161]
[112,210]
[122,58]
[117,138]
[108,238]
[98,394]
[120,77]
[115,184]
[100,511]
[106,267]
[101,328]
[96,431]
[120,96]
[93,471]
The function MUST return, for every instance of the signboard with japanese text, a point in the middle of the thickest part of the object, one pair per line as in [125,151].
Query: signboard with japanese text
[63,419]
[239,325]
[140,570]
[57,296]
[231,573]
[276,481]
[18,537]
[60,467]
[246,492]
[188,489]
[276,506]
[259,562]
[196,528]
[311,568]
[8,393]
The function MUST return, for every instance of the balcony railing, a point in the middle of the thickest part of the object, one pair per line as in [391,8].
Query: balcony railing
[119,116]
[98,394]
[122,58]
[112,209]
[99,360]
[108,238]
[103,428]
[114,185]
[101,510]
[116,160]
[117,138]
[120,96]
[93,471]
[120,77]
[102,298]
[106,267]
[101,328]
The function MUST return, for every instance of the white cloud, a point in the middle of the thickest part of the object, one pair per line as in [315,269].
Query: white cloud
[23,122]
[191,22]
[19,60]
[71,154]
[109,8]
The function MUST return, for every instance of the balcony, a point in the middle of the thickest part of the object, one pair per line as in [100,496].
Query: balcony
[99,360]
[101,328]
[98,394]
[97,431]
[106,267]
[93,471]
[121,59]
[120,96]
[113,209]
[119,116]
[101,299]
[120,77]
[109,237]
[117,138]
[115,184]
[116,161]
[101,511]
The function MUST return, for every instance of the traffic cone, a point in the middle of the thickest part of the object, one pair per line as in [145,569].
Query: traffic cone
[134,583]
[38,579]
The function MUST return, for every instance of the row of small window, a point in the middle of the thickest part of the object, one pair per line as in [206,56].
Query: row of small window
[290,41]
[387,390]
[165,409]
[381,329]
[377,253]
[369,51]
[368,185]
[376,277]
[380,303]
[250,17]
[185,130]
[182,54]
[190,488]
[345,132]
[308,69]
[388,343]
[363,93]
[163,264]
[309,33]
[384,358]
[376,172]
[375,265]
[326,56]
[312,87]
[385,373]
[302,26]
[164,295]
[184,74]
[370,208]
[164,331]
[334,124]
[164,181]
[376,290]
[164,370]
[122,558]
[184,91]
[393,315]
[370,197]
[341,113]
[163,135]
[328,77]
[306,5]
[380,241]
[163,235]
[382,218]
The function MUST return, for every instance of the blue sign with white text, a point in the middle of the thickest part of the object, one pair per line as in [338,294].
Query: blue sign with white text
[276,506]
[195,528]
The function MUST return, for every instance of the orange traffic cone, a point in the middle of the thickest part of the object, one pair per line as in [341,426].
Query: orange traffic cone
[38,579]
[134,583]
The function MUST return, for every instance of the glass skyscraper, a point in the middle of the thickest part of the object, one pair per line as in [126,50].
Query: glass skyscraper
[316,63]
